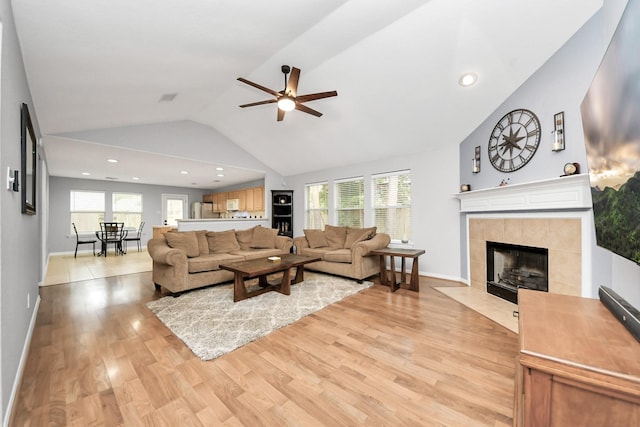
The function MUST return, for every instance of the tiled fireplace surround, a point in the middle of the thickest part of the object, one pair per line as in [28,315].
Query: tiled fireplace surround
[553,214]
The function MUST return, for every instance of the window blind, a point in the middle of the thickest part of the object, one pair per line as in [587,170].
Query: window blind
[392,204]
[350,202]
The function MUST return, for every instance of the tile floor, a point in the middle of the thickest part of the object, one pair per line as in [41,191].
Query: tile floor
[66,268]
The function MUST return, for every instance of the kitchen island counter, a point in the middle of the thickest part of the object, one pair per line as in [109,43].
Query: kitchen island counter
[221,224]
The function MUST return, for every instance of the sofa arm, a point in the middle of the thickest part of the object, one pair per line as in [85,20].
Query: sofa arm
[379,241]
[161,252]
[300,242]
[284,243]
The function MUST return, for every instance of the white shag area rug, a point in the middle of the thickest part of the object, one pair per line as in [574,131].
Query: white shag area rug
[211,324]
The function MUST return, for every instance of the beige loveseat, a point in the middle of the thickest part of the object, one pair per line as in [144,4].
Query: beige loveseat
[344,250]
[184,260]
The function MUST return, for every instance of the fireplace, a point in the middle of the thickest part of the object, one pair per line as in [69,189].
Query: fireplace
[511,267]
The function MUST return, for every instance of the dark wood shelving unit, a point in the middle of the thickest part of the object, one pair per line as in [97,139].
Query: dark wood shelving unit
[282,211]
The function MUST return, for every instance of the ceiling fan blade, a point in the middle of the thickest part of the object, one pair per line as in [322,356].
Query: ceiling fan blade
[306,109]
[253,104]
[314,96]
[280,114]
[292,84]
[257,86]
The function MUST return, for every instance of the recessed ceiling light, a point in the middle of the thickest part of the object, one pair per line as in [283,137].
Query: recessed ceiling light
[184,172]
[220,175]
[219,169]
[112,161]
[135,178]
[86,173]
[468,79]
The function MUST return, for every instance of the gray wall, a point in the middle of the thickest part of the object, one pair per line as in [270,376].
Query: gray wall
[434,210]
[20,235]
[559,85]
[60,240]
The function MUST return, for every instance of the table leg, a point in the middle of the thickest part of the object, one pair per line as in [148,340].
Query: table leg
[299,275]
[239,290]
[383,271]
[403,274]
[414,285]
[392,273]
[285,285]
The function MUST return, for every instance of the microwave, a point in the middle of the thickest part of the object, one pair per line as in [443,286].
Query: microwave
[233,204]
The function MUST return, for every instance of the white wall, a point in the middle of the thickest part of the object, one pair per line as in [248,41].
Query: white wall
[434,210]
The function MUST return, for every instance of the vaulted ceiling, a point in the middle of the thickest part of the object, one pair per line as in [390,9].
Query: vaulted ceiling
[106,64]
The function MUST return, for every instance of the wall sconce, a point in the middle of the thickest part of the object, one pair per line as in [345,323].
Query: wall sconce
[558,132]
[476,161]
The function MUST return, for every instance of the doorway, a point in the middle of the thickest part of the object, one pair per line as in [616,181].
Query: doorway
[174,207]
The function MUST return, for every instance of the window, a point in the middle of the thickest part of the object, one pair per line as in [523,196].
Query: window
[392,204]
[127,208]
[87,210]
[350,202]
[316,205]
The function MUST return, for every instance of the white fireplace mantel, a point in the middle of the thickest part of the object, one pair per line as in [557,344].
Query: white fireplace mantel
[567,192]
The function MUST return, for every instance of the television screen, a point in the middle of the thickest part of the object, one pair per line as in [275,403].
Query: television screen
[611,121]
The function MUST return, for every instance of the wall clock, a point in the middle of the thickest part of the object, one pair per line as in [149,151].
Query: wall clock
[514,140]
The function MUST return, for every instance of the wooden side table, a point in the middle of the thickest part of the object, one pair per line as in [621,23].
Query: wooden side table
[388,277]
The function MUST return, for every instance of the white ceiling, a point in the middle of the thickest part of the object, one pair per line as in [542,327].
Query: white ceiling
[105,64]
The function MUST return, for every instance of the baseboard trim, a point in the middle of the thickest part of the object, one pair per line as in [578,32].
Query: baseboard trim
[23,360]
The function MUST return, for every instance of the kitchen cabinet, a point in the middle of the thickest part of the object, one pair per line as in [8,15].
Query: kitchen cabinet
[258,199]
[208,198]
[247,195]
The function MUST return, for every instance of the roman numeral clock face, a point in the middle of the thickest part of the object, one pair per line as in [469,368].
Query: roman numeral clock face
[514,140]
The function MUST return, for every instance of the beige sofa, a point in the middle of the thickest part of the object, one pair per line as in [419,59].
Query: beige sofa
[344,250]
[184,260]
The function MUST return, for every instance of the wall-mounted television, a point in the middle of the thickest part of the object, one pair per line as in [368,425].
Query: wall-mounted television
[611,121]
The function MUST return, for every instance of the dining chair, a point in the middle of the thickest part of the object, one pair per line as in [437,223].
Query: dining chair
[112,232]
[82,242]
[135,238]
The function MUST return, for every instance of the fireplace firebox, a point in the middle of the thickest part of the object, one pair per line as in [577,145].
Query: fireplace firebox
[511,267]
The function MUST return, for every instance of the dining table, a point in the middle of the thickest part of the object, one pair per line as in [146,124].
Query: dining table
[111,232]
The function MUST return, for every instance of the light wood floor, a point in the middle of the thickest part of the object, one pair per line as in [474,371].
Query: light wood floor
[99,357]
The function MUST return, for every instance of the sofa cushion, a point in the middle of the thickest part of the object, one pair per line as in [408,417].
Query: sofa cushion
[335,236]
[257,253]
[244,238]
[355,235]
[316,238]
[338,255]
[210,262]
[203,245]
[185,240]
[222,241]
[264,238]
[314,252]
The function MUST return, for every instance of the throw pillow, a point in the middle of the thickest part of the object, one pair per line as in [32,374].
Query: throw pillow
[201,235]
[222,241]
[316,238]
[335,236]
[185,240]
[356,235]
[264,238]
[244,238]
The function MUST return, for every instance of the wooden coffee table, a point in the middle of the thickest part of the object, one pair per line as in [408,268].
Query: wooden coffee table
[261,268]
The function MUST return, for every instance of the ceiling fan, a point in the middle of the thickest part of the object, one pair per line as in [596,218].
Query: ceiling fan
[288,99]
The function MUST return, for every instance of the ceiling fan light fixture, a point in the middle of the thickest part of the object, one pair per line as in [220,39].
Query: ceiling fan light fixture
[286,103]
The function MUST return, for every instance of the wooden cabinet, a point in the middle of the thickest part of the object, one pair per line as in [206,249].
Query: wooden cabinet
[247,195]
[250,199]
[578,365]
[258,199]
[282,211]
